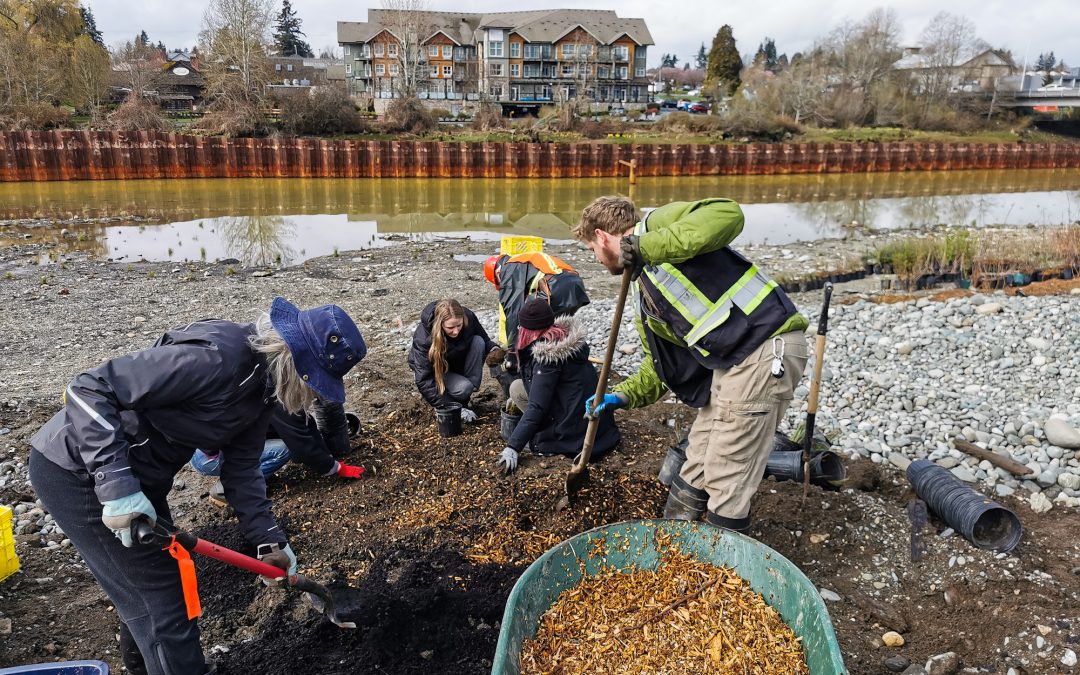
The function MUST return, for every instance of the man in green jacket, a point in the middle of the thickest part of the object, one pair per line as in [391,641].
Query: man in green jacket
[716,332]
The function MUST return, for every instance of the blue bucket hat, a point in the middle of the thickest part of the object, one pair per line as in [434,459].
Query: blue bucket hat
[324,343]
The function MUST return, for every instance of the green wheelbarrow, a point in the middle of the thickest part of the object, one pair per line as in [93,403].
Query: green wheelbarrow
[633,544]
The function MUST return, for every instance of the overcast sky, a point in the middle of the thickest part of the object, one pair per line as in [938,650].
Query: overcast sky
[677,26]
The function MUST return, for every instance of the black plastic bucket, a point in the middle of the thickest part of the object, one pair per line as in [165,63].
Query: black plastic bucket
[826,468]
[982,521]
[448,418]
[353,421]
[508,422]
[673,461]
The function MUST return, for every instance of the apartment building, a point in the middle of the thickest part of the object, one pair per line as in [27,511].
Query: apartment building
[518,59]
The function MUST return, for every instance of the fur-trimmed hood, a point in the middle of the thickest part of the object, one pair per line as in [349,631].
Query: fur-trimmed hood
[548,352]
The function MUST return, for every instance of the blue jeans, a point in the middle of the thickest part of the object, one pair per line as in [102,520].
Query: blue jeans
[274,456]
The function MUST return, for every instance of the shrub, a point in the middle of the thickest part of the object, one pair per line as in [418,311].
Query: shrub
[325,111]
[750,122]
[137,114]
[35,116]
[408,115]
[440,113]
[233,117]
[488,116]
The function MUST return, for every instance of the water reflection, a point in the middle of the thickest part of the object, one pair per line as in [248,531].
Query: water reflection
[260,221]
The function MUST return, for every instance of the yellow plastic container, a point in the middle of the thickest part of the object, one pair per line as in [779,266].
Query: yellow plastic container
[9,561]
[523,244]
[513,246]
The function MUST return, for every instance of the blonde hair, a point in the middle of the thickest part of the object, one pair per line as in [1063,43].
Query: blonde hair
[612,214]
[289,387]
[447,308]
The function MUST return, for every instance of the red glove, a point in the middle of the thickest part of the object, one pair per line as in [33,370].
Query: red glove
[348,471]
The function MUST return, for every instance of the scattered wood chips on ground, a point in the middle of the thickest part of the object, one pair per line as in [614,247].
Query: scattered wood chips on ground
[686,617]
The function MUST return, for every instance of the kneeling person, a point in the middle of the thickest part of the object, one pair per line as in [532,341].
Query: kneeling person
[556,379]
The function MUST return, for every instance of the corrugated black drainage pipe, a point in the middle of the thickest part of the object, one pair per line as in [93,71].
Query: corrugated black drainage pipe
[982,521]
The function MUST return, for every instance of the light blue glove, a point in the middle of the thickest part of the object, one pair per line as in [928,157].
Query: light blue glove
[278,556]
[609,402]
[119,514]
[468,416]
[508,460]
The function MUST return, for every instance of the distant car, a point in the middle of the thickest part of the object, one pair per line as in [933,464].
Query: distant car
[699,107]
[1053,87]
[667,103]
[683,104]
[694,92]
[617,110]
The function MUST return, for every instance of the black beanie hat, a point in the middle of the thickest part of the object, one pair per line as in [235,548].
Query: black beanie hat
[536,315]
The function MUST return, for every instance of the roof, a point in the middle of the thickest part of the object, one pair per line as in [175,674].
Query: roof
[534,26]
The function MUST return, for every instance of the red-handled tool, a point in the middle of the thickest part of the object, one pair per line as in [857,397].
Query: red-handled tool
[327,601]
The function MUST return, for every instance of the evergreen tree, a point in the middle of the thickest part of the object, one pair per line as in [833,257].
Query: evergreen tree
[725,63]
[143,39]
[686,66]
[770,54]
[782,62]
[702,58]
[287,33]
[90,25]
[669,61]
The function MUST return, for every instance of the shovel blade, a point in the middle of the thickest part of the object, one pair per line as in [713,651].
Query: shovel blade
[337,605]
[575,480]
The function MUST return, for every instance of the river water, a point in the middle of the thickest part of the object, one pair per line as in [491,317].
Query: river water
[285,221]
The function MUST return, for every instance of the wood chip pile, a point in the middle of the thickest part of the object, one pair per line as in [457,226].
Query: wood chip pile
[686,617]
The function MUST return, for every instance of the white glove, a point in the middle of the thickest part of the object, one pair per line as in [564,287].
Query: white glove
[467,416]
[508,460]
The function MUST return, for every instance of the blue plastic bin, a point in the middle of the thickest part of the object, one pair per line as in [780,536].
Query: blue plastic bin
[61,668]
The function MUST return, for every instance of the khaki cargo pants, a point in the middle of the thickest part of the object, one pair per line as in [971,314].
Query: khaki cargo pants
[732,436]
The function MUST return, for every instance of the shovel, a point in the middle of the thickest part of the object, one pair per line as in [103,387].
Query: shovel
[579,472]
[329,603]
[815,386]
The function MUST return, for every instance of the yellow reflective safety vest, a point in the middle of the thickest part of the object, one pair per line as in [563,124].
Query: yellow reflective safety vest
[706,313]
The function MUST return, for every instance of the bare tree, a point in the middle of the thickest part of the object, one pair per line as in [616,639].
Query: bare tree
[802,88]
[411,24]
[234,44]
[138,67]
[948,41]
[89,74]
[860,56]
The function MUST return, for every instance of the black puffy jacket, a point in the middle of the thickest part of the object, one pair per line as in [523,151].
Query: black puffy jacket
[559,379]
[456,351]
[132,422]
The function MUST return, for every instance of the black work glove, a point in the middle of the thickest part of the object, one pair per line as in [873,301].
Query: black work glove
[630,255]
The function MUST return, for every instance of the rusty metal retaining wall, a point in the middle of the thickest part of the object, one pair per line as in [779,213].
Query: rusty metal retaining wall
[93,155]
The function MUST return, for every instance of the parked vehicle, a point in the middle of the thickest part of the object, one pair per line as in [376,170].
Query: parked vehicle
[667,103]
[1053,87]
[699,107]
[617,110]
[683,104]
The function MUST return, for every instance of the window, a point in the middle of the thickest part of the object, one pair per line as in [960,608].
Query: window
[380,69]
[567,70]
[393,69]
[496,90]
[348,69]
[378,50]
[447,51]
[495,48]
[434,71]
[639,71]
[603,72]
[289,67]
[620,52]
[459,53]
[515,50]
[532,51]
[622,72]
[532,70]
[347,50]
[567,50]
[447,71]
[603,54]
[433,51]
[515,70]
[584,50]
[391,50]
[277,67]
[366,53]
[495,69]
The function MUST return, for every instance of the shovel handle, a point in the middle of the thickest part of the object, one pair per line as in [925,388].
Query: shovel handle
[605,371]
[229,556]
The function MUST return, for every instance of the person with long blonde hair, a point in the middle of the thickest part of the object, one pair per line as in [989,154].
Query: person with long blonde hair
[447,357]
[106,461]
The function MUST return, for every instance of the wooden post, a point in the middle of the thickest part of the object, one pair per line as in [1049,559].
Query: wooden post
[633,165]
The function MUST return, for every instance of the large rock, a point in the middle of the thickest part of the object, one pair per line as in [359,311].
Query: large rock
[1059,432]
[1040,503]
[943,664]
[988,308]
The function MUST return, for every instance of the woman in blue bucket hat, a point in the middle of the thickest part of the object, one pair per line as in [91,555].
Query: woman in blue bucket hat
[109,456]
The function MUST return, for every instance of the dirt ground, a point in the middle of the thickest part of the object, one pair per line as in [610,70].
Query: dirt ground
[434,539]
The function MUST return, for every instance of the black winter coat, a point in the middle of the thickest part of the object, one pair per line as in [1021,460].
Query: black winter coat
[134,421]
[559,379]
[456,351]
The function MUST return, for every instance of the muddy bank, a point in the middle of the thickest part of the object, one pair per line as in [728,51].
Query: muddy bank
[432,535]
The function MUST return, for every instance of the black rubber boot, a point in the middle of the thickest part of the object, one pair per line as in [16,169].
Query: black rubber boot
[684,501]
[673,461]
[740,525]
